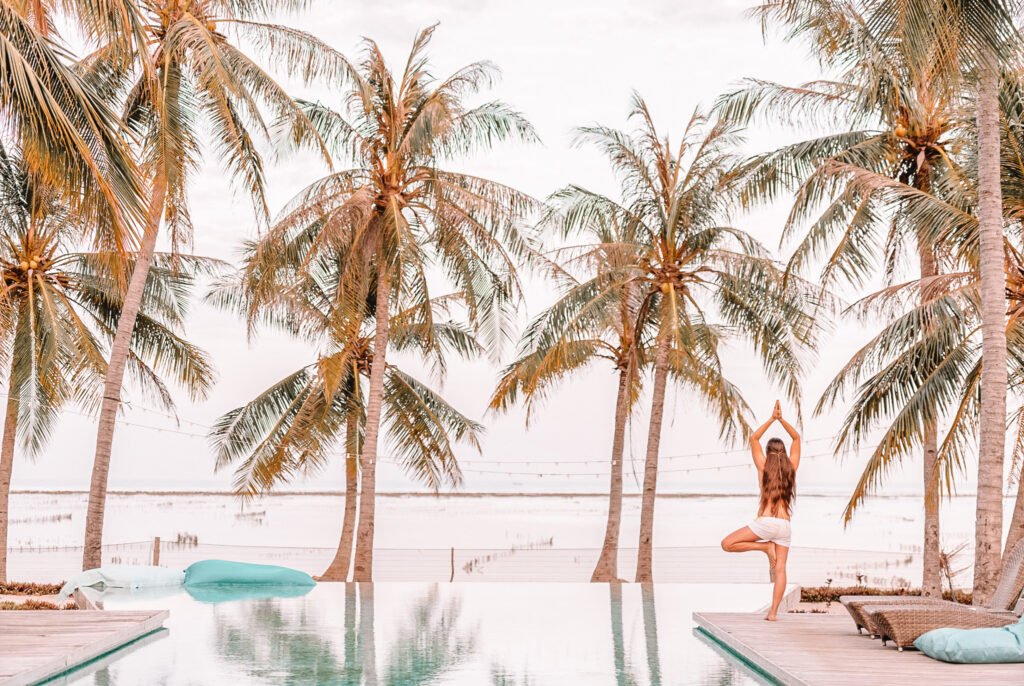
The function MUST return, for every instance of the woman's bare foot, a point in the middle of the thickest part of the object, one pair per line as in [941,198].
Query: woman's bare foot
[771,617]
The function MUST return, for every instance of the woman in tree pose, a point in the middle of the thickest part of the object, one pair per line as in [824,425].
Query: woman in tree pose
[770,532]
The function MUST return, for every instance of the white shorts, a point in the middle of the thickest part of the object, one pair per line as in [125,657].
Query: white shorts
[773,529]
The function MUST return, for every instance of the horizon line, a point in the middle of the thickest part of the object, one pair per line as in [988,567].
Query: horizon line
[467,494]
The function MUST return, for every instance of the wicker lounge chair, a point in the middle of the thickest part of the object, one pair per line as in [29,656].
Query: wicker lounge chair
[905,622]
[862,608]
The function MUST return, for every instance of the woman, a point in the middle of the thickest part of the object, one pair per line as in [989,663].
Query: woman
[770,532]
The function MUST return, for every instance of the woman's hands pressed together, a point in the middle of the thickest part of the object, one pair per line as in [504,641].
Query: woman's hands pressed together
[755,438]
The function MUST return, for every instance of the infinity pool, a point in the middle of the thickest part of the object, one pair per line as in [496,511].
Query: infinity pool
[522,634]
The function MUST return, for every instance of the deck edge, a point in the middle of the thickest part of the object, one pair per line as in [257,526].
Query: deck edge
[59,665]
[746,652]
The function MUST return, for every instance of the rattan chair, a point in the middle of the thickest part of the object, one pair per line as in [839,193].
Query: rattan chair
[905,622]
[864,608]
[860,606]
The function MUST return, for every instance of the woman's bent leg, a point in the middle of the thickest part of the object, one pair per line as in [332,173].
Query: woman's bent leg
[781,554]
[744,540]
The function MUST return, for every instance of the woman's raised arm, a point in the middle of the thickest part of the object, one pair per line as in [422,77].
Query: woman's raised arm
[794,449]
[755,443]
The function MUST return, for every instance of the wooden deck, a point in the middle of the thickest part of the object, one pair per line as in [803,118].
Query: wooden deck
[38,644]
[826,650]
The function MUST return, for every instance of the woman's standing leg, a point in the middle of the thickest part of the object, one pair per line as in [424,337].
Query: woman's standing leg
[781,554]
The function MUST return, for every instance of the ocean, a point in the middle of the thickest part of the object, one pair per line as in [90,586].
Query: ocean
[516,537]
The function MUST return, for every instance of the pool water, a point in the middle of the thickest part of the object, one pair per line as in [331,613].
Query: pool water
[398,634]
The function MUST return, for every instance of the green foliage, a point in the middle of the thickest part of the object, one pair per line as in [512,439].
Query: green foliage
[398,211]
[831,594]
[662,263]
[296,425]
[61,309]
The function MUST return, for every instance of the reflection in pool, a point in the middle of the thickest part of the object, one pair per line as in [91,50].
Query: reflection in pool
[515,634]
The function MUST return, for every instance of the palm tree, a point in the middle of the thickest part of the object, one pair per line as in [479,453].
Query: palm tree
[398,211]
[904,113]
[59,311]
[587,324]
[293,427]
[70,139]
[993,42]
[909,361]
[690,269]
[979,40]
[182,78]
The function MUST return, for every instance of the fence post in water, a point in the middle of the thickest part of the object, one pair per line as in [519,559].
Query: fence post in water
[156,551]
[451,577]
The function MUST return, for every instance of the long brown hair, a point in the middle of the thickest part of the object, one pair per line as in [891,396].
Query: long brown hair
[778,480]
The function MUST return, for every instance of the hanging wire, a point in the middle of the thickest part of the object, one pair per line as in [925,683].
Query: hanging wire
[470,462]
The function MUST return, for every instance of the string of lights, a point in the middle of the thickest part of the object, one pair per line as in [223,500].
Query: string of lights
[468,465]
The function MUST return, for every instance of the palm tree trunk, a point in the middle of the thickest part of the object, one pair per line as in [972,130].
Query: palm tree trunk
[607,568]
[339,567]
[111,404]
[1016,532]
[931,579]
[368,457]
[6,468]
[992,429]
[644,555]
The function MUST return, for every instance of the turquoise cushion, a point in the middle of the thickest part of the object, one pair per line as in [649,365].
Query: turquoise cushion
[222,572]
[974,646]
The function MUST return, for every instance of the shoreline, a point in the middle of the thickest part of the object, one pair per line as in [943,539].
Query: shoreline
[475,494]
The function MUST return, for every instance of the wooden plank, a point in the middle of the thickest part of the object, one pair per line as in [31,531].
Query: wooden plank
[39,644]
[826,650]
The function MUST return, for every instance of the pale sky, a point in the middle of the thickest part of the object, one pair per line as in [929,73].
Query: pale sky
[563,64]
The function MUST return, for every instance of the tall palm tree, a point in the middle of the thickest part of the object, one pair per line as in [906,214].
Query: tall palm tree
[58,310]
[587,324]
[986,28]
[979,40]
[1012,106]
[400,211]
[184,78]
[691,268]
[909,363]
[903,114]
[295,425]
[952,214]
